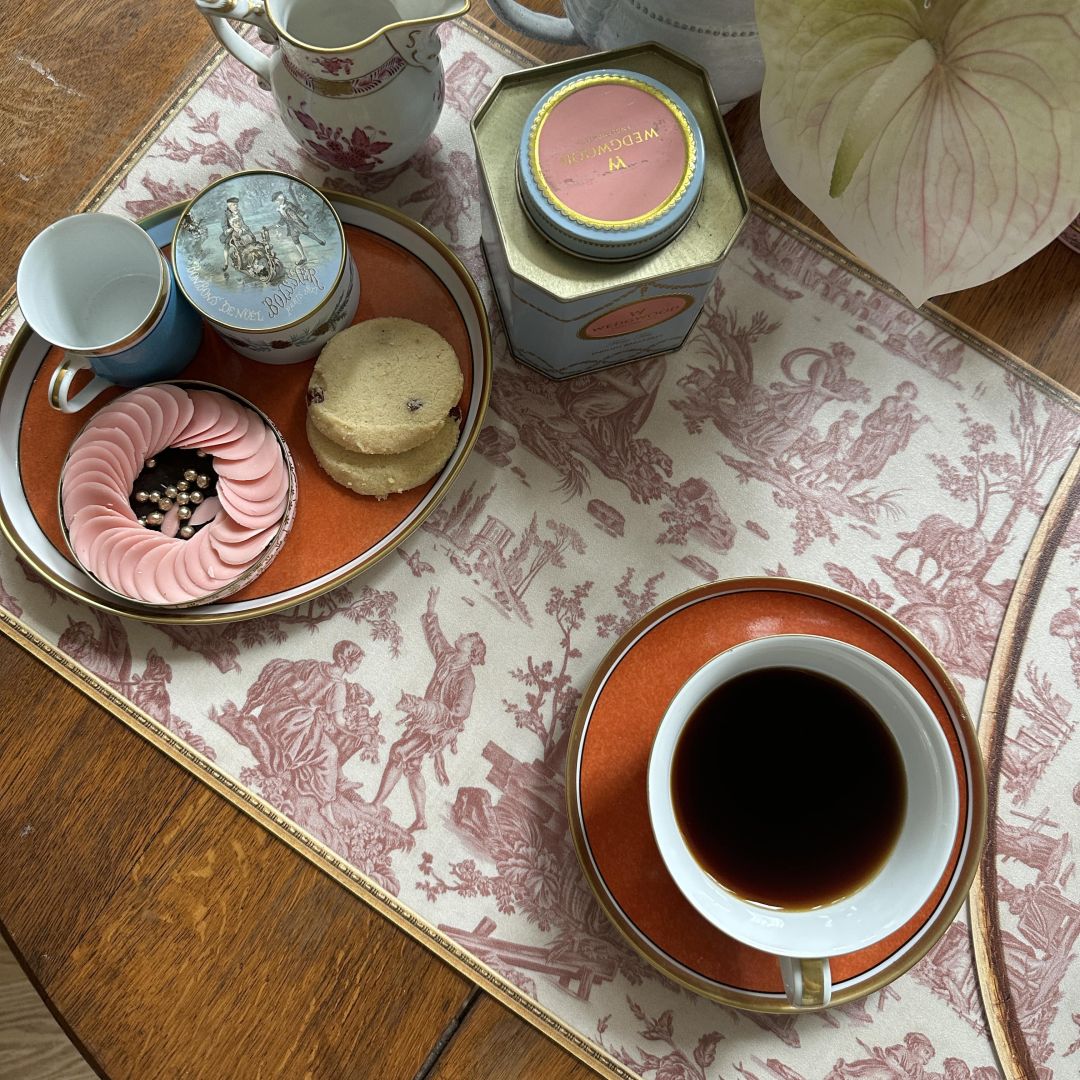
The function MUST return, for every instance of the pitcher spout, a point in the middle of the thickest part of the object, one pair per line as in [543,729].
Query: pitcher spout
[347,26]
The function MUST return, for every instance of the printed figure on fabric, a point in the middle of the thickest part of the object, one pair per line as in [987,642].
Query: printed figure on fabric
[434,721]
[299,708]
[302,720]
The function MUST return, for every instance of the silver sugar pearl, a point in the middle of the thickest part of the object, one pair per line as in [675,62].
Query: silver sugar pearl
[142,521]
[186,532]
[182,498]
[170,492]
[165,505]
[182,485]
[142,496]
[155,518]
[151,463]
[190,474]
[195,497]
[202,480]
[200,453]
[183,512]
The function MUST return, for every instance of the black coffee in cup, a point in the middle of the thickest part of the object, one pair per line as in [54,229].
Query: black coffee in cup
[788,787]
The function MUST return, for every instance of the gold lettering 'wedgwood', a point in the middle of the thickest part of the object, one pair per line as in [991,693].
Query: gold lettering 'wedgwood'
[610,146]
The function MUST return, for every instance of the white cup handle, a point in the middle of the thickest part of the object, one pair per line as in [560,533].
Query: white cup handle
[60,385]
[807,982]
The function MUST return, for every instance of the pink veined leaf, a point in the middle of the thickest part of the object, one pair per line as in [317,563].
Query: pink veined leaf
[246,140]
[305,118]
[206,125]
[938,139]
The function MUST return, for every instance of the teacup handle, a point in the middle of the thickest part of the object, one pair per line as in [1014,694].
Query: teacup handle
[250,11]
[60,385]
[807,982]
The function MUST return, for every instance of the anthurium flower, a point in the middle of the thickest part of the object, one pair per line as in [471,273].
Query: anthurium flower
[938,139]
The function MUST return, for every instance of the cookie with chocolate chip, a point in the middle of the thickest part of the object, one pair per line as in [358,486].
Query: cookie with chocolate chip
[384,474]
[384,386]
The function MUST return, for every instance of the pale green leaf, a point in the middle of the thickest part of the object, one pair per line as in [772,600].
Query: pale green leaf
[939,141]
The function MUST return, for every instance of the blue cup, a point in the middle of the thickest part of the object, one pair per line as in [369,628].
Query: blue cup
[98,287]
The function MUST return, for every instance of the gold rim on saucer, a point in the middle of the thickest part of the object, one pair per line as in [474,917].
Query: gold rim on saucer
[973,829]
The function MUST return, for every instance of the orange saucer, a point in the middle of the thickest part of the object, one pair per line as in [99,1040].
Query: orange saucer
[608,757]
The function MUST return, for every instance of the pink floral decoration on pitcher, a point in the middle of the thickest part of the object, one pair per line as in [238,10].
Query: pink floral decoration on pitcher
[359,152]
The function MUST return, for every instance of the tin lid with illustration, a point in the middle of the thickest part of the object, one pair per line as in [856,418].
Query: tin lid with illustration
[611,164]
[258,251]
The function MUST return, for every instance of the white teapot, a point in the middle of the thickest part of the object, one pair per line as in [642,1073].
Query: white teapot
[721,35]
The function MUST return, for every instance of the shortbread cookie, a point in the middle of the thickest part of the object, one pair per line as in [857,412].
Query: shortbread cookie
[384,386]
[383,474]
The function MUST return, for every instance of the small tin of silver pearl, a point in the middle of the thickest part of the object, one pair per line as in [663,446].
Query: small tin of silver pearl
[195,497]
[165,505]
[182,498]
[142,496]
[183,512]
[186,532]
[155,518]
[202,480]
[189,475]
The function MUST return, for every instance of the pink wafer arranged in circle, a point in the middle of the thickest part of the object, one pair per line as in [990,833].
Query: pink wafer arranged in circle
[237,533]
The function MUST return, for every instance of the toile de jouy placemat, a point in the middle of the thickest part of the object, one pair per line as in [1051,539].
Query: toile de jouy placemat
[814,426]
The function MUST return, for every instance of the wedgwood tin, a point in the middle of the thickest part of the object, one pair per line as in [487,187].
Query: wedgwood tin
[263,257]
[606,228]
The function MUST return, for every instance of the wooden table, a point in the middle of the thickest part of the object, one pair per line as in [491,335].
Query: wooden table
[170,934]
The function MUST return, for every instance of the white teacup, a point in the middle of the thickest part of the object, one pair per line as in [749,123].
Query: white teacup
[96,286]
[803,940]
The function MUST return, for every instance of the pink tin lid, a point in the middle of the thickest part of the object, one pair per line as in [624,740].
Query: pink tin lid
[610,165]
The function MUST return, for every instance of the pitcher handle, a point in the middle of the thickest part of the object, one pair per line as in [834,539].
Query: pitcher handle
[216,12]
[533,24]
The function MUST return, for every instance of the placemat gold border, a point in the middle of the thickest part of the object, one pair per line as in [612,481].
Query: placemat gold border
[998,1002]
[303,842]
[1017,621]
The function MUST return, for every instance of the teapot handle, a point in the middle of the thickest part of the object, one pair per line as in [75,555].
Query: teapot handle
[534,25]
[251,11]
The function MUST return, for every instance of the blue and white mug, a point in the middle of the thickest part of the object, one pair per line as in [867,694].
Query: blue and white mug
[98,287]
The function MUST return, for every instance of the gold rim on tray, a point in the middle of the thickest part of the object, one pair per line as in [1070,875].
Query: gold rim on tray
[481,391]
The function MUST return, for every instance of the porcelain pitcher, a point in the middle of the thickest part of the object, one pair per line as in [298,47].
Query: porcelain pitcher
[359,83]
[721,35]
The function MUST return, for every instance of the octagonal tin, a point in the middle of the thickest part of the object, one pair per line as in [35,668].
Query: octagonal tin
[567,312]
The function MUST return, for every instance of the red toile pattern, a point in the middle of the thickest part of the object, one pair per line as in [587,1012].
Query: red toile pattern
[415,722]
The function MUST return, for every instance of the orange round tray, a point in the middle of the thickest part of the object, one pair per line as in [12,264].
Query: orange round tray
[405,271]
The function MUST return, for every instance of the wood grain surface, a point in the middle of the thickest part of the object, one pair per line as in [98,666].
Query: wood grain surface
[170,934]
[32,1044]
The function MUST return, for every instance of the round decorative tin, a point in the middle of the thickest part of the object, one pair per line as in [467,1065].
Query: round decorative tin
[262,256]
[611,164]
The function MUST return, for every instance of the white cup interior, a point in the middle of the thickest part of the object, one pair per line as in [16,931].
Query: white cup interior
[89,281]
[920,855]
